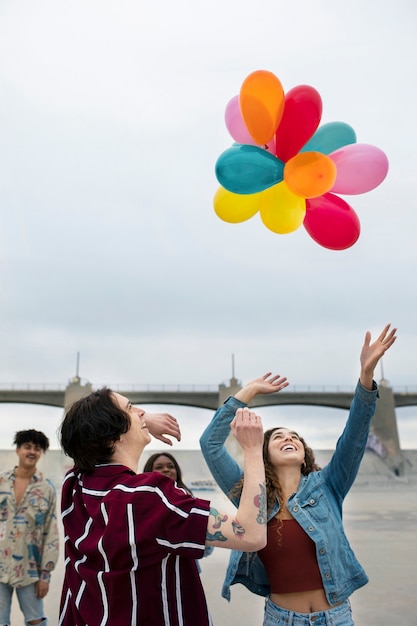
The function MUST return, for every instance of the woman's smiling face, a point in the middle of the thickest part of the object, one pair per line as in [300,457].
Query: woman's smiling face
[285,448]
[164,465]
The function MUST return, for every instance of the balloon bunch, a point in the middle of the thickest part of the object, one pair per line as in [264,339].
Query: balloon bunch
[287,168]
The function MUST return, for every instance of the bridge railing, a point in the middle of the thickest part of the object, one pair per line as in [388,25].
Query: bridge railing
[32,387]
[187,388]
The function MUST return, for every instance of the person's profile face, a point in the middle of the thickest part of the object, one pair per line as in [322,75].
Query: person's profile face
[138,428]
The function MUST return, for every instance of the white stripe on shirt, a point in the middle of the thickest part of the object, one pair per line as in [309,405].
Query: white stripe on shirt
[181,544]
[85,534]
[135,565]
[178,591]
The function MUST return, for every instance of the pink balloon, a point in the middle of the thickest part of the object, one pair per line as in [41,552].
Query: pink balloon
[360,168]
[237,127]
[302,115]
[331,222]
[235,124]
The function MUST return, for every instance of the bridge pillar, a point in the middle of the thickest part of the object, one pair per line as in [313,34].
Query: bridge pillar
[228,390]
[75,391]
[384,427]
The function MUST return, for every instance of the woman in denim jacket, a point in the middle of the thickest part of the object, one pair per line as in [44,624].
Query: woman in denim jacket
[304,506]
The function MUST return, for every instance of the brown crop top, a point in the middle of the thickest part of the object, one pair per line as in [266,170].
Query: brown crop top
[290,558]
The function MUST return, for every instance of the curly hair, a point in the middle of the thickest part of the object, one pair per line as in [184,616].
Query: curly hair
[273,487]
[31,436]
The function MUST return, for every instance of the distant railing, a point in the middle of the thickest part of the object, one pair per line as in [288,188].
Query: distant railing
[32,387]
[187,388]
[170,387]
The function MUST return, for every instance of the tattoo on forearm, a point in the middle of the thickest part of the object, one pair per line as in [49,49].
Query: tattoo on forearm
[217,536]
[260,502]
[238,530]
[219,517]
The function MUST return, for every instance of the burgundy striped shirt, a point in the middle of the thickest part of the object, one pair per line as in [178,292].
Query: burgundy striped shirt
[131,541]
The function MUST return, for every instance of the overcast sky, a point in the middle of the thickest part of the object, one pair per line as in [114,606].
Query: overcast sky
[111,122]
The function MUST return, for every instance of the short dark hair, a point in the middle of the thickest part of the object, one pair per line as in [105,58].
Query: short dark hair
[31,436]
[90,428]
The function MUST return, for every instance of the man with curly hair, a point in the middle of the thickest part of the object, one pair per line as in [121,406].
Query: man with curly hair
[29,541]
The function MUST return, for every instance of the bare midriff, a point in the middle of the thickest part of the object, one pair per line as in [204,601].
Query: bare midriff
[302,601]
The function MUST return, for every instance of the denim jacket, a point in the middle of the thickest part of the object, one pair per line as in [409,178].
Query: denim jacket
[317,504]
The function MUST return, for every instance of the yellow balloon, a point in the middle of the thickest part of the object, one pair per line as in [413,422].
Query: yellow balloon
[235,207]
[310,174]
[282,211]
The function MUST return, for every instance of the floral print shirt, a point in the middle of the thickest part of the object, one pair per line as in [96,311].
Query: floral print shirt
[29,540]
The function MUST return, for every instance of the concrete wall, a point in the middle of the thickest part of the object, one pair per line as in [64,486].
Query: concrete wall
[197,476]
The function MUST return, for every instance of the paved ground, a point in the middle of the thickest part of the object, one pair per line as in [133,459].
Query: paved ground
[380,521]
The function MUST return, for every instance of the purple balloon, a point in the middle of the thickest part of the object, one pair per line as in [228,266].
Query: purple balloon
[360,168]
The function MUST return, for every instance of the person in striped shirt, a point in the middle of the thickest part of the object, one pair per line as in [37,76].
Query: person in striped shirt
[131,539]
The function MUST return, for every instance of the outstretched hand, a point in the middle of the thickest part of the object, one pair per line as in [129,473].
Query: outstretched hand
[268,383]
[372,352]
[162,424]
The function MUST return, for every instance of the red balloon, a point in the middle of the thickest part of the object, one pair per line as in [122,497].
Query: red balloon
[331,222]
[302,115]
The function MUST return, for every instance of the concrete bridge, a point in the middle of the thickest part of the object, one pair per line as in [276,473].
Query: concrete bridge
[384,431]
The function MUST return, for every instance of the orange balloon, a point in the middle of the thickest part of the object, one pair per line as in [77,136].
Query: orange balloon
[282,211]
[261,101]
[310,174]
[235,207]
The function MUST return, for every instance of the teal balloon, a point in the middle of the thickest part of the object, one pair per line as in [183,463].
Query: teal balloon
[330,137]
[248,169]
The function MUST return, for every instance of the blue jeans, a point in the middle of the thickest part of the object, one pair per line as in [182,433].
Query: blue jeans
[30,605]
[338,616]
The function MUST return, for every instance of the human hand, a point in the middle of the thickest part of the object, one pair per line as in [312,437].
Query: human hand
[41,588]
[268,383]
[247,429]
[372,352]
[162,424]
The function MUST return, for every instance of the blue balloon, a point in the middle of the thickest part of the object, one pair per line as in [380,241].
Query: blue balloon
[330,137]
[248,169]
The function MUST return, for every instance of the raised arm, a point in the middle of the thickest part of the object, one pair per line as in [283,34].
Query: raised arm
[224,468]
[343,467]
[372,352]
[246,530]
[268,383]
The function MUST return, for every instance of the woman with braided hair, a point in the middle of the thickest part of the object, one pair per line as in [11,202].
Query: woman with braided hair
[308,570]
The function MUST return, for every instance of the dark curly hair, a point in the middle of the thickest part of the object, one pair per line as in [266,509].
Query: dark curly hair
[91,427]
[31,436]
[273,487]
